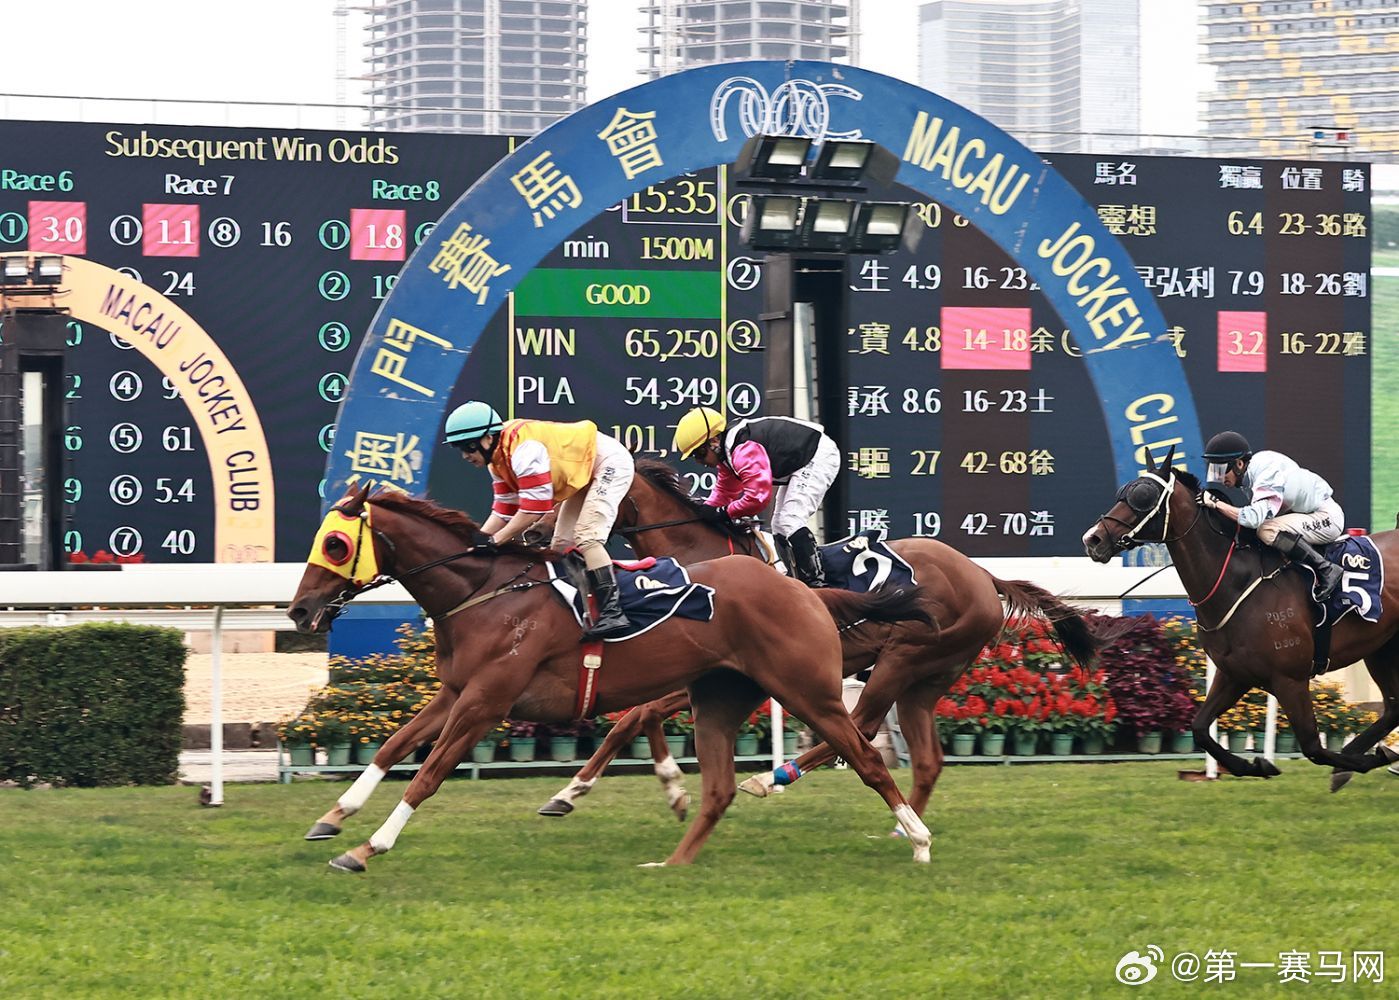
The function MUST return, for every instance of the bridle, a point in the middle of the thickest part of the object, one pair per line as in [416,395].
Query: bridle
[483,541]
[636,529]
[1128,540]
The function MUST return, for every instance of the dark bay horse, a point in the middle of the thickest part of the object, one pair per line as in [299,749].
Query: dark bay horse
[508,647]
[1254,619]
[915,663]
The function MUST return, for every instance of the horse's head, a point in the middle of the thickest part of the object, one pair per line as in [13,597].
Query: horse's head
[659,515]
[1141,513]
[343,562]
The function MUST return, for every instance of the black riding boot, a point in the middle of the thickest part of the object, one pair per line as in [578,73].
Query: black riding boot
[610,619]
[1328,574]
[785,555]
[809,568]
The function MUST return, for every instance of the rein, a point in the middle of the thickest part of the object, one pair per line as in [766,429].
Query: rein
[637,529]
[1126,541]
[344,597]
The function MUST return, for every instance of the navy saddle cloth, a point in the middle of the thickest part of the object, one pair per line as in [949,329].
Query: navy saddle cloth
[655,590]
[863,563]
[1363,582]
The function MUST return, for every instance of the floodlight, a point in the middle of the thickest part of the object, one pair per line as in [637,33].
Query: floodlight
[772,222]
[15,271]
[826,225]
[775,157]
[48,270]
[883,227]
[854,160]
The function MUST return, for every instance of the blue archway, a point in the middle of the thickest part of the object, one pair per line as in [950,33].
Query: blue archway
[528,203]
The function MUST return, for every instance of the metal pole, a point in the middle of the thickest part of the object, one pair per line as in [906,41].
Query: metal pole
[1211,765]
[1270,733]
[216,710]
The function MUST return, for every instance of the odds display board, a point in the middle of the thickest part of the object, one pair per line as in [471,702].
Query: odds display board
[990,389]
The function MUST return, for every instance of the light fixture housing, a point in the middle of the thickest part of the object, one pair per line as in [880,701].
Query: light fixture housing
[773,157]
[15,271]
[773,222]
[48,270]
[852,160]
[827,225]
[885,226]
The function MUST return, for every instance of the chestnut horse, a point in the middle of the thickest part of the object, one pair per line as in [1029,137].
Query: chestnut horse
[915,663]
[1254,619]
[507,646]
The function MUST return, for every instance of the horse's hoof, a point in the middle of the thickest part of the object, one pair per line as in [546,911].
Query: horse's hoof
[322,831]
[759,785]
[1389,754]
[681,806]
[556,807]
[922,854]
[1264,768]
[347,862]
[1339,779]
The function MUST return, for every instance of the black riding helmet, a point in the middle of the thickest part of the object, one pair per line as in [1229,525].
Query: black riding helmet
[1227,446]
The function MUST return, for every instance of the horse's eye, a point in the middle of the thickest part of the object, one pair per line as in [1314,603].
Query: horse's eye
[336,548]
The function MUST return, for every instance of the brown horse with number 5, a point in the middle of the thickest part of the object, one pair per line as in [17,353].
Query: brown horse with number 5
[1253,619]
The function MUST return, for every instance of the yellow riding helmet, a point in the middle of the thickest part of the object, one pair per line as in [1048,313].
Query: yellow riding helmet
[697,427]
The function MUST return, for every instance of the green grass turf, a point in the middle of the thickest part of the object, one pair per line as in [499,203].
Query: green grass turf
[1042,878]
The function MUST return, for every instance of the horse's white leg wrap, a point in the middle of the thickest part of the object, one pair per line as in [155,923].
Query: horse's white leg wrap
[917,832]
[384,837]
[759,784]
[672,778]
[575,789]
[357,794]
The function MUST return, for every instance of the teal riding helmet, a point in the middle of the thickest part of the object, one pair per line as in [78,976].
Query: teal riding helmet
[471,420]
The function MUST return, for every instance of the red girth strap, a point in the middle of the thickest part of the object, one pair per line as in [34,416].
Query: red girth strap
[588,667]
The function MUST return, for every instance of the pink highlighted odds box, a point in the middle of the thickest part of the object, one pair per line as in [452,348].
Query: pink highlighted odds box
[1243,342]
[58,227]
[985,338]
[169,230]
[378,234]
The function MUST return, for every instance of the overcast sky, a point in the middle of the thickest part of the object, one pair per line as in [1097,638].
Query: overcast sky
[285,51]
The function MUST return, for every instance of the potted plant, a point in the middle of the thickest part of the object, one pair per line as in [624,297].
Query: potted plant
[678,729]
[367,734]
[994,724]
[1151,690]
[333,735]
[792,728]
[298,736]
[521,739]
[751,733]
[485,749]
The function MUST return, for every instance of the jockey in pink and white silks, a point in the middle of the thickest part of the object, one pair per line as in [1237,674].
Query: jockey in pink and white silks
[1290,507]
[757,457]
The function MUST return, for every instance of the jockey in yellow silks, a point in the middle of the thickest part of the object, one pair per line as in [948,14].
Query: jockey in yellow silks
[535,464]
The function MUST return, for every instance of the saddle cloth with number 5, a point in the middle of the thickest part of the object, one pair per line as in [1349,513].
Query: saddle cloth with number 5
[1363,582]
[863,563]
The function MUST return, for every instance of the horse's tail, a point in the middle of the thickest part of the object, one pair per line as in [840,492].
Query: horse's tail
[883,605]
[1027,600]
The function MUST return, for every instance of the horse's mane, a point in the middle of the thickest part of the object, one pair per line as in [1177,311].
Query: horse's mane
[458,523]
[1188,480]
[666,478]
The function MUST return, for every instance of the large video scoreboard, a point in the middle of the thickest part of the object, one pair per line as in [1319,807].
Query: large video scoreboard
[963,407]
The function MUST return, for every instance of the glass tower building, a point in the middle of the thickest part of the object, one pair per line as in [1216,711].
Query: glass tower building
[488,66]
[1288,69]
[1057,74]
[684,33]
